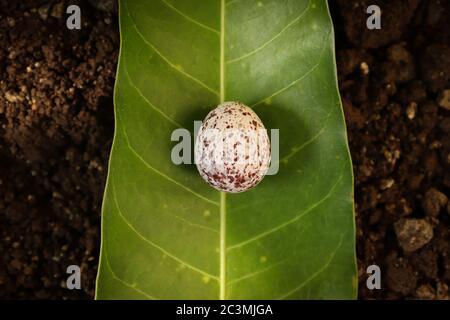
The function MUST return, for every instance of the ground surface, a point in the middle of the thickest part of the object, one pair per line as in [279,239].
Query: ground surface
[392,84]
[56,125]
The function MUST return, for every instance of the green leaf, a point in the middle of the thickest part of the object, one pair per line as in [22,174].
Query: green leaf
[166,234]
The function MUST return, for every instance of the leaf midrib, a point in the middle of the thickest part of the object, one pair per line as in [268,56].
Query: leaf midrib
[223,211]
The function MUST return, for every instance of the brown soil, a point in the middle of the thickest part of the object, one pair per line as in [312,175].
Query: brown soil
[392,84]
[56,125]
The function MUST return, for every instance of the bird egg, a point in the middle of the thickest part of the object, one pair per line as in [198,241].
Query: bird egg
[232,148]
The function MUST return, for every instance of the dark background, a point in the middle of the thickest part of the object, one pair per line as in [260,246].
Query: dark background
[56,127]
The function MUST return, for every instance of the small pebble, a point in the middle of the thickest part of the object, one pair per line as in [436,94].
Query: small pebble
[411,110]
[426,292]
[444,99]
[364,67]
[433,202]
[413,234]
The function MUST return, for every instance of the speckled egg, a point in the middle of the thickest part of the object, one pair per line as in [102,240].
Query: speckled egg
[232,149]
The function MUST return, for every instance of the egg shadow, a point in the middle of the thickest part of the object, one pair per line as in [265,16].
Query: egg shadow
[189,116]
[292,129]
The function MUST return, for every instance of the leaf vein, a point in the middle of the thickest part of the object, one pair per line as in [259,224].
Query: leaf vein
[137,155]
[184,15]
[273,38]
[170,63]
[300,147]
[124,282]
[230,2]
[253,274]
[148,101]
[290,221]
[315,274]
[156,245]
[293,82]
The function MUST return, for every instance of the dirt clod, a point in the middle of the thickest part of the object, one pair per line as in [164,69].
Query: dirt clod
[400,276]
[444,99]
[436,66]
[426,292]
[413,234]
[434,201]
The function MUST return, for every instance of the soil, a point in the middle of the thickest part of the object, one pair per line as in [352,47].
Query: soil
[56,126]
[394,84]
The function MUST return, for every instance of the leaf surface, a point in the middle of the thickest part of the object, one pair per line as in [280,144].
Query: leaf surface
[165,233]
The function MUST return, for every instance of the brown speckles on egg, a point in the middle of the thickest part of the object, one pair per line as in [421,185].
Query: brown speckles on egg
[232,149]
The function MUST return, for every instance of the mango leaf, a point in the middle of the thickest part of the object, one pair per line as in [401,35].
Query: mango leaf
[166,234]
